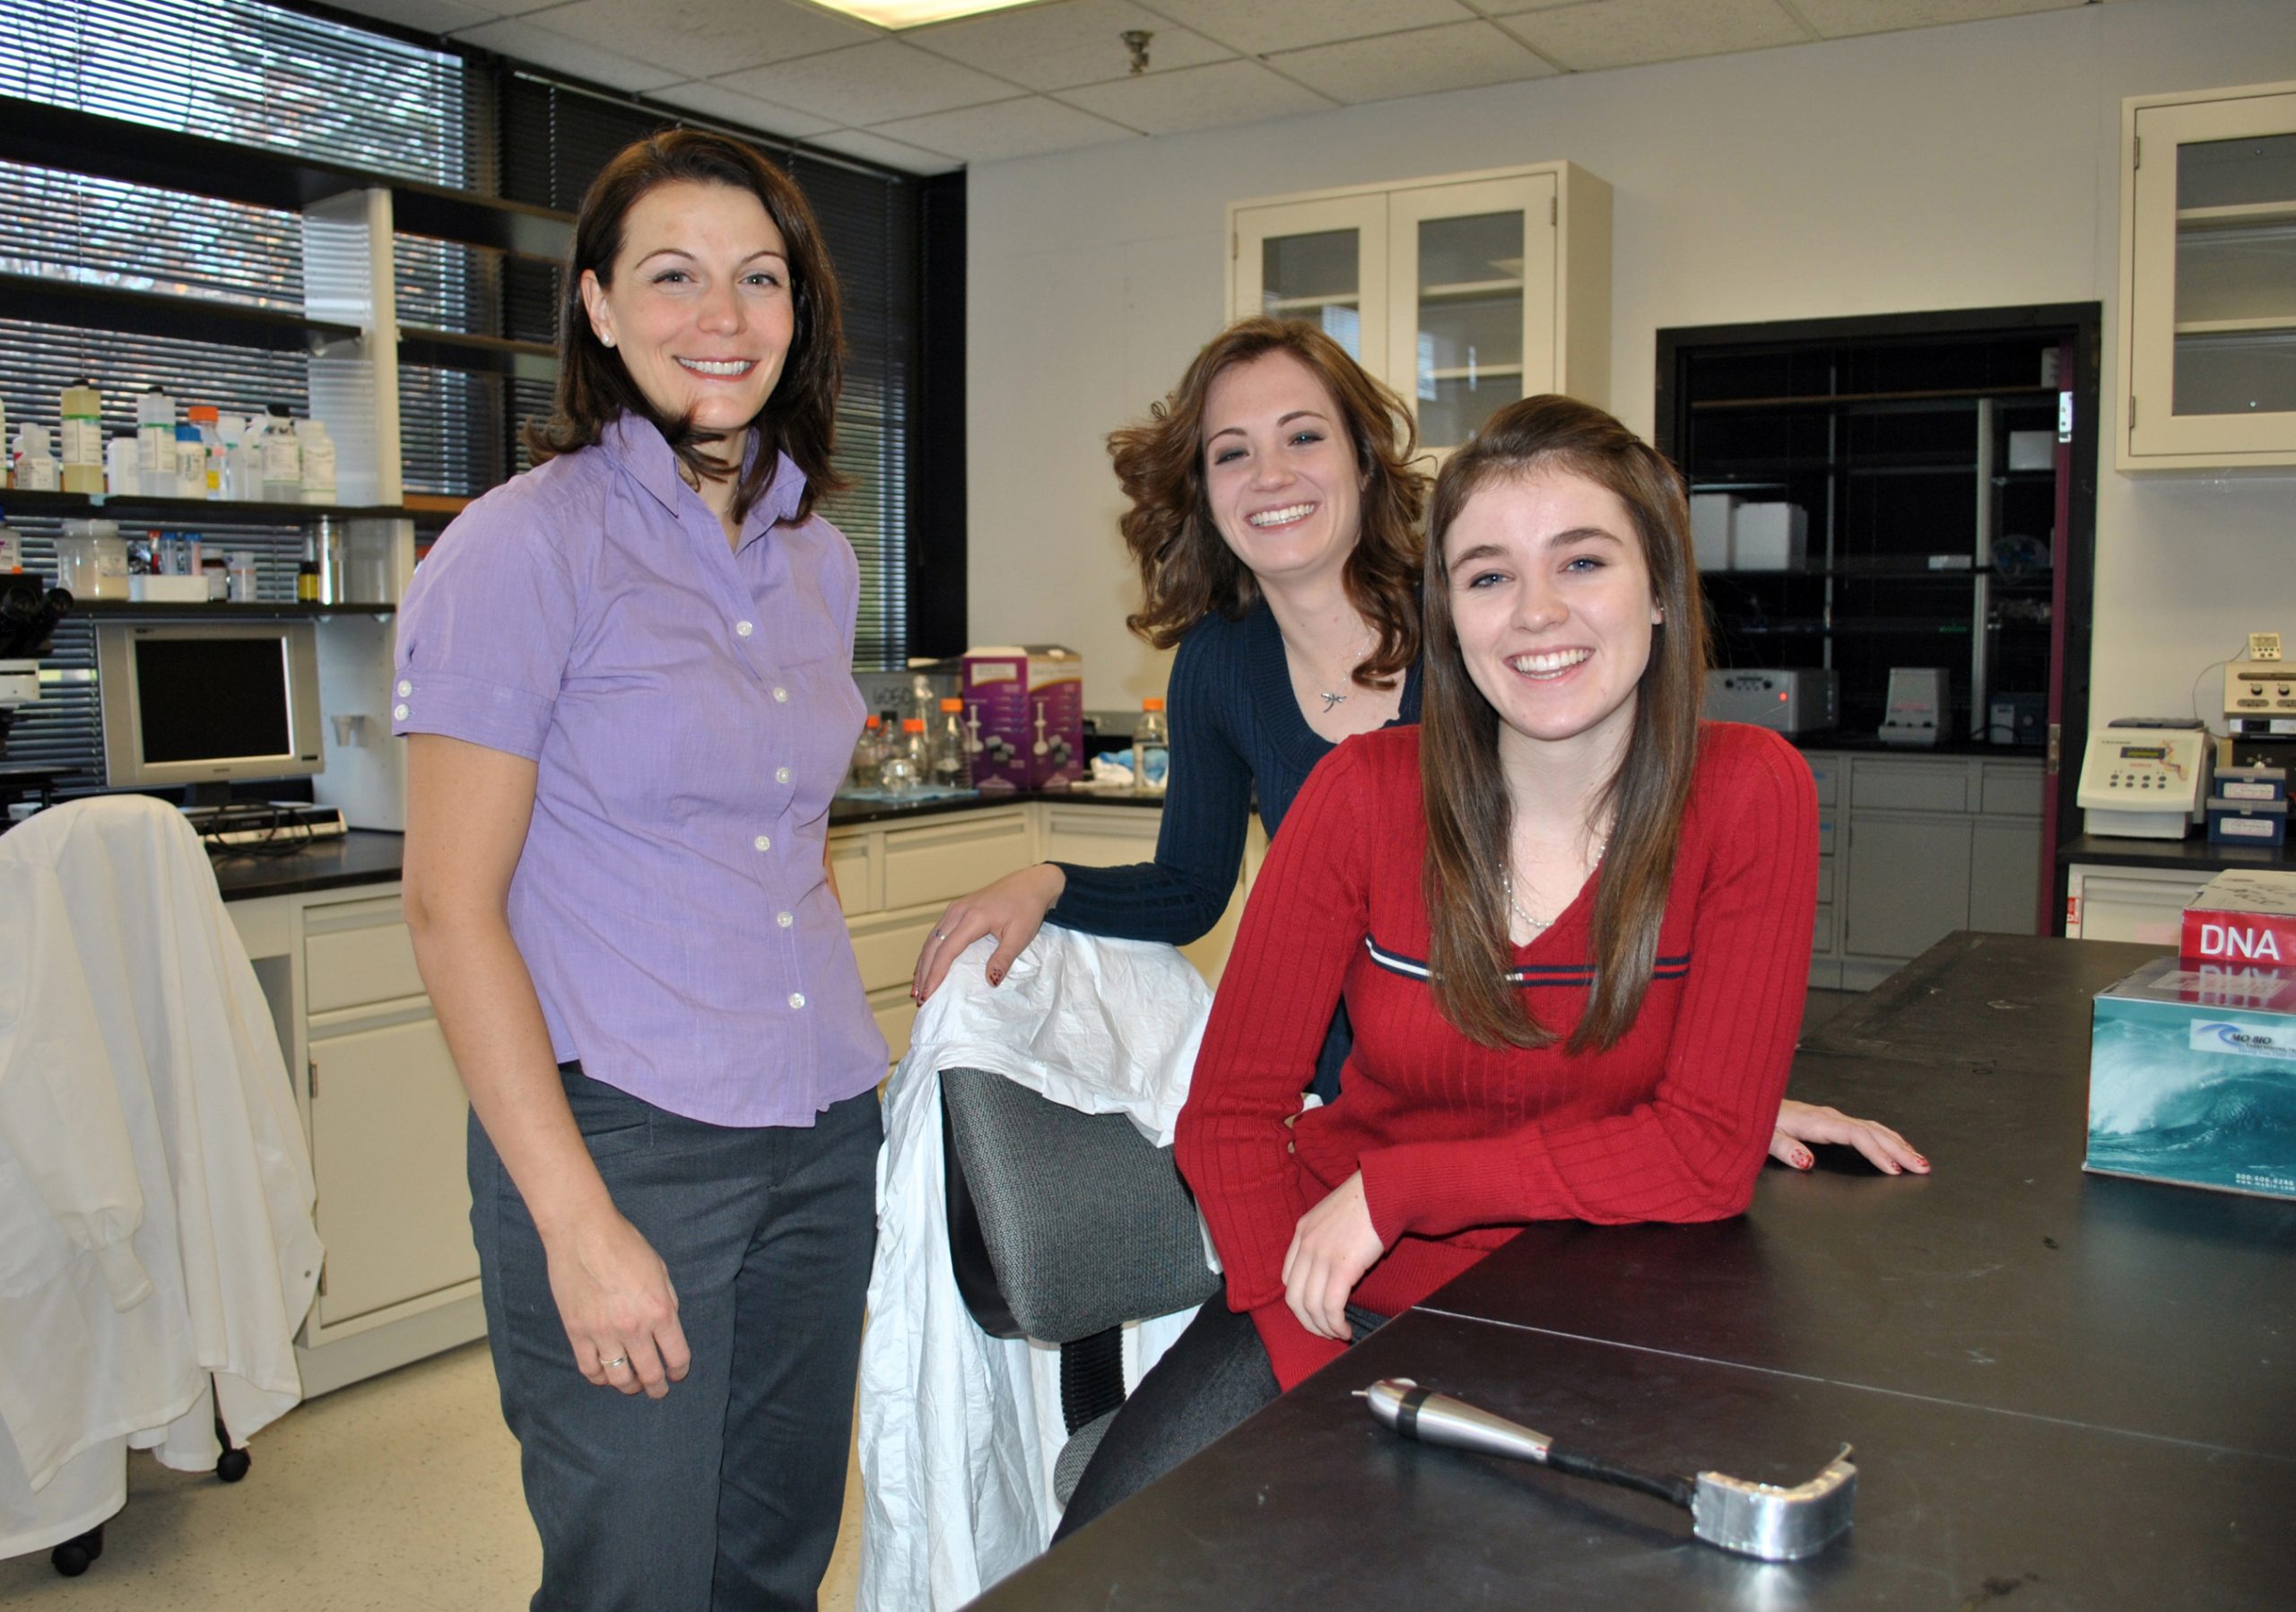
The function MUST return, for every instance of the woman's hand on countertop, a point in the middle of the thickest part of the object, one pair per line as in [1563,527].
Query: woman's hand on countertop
[1012,909]
[1802,1122]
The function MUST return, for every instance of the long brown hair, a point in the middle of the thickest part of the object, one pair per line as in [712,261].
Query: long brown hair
[799,418]
[1470,820]
[1188,572]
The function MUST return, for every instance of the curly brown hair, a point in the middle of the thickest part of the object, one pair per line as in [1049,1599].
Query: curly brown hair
[594,389]
[1187,570]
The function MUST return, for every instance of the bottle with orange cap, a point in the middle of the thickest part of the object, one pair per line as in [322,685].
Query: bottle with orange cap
[1152,749]
[951,766]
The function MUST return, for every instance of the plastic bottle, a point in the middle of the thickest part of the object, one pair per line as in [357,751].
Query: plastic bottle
[155,438]
[283,458]
[242,578]
[7,466]
[191,463]
[307,574]
[12,553]
[35,465]
[1151,750]
[83,439]
[868,755]
[951,766]
[242,470]
[206,421]
[124,468]
[318,462]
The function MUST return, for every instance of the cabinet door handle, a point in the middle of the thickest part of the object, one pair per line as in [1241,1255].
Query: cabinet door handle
[312,1089]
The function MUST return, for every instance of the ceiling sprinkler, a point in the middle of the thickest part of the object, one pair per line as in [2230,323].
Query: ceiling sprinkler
[1136,40]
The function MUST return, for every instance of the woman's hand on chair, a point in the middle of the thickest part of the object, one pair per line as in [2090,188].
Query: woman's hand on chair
[619,1310]
[1801,1122]
[1332,1246]
[1013,909]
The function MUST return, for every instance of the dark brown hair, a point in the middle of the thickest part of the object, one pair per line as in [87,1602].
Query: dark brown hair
[1470,820]
[1188,572]
[594,386]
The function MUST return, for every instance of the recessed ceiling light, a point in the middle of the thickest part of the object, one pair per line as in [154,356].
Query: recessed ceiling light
[915,14]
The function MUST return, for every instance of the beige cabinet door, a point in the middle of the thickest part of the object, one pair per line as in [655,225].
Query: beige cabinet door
[2005,878]
[1322,261]
[1909,884]
[1471,272]
[387,1116]
[2211,281]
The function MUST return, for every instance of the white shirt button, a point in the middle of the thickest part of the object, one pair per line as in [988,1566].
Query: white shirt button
[781,775]
[405,689]
[399,713]
[796,998]
[763,842]
[785,918]
[781,695]
[744,628]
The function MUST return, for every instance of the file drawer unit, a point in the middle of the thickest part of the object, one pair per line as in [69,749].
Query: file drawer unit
[1911,848]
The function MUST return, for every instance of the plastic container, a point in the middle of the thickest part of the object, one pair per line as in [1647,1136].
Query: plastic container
[123,467]
[191,463]
[35,466]
[206,421]
[12,553]
[155,438]
[1151,750]
[318,462]
[951,765]
[241,576]
[83,450]
[903,771]
[91,560]
[283,458]
[868,755]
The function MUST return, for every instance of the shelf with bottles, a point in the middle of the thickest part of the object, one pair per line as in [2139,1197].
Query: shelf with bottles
[131,508]
[219,609]
[138,153]
[85,307]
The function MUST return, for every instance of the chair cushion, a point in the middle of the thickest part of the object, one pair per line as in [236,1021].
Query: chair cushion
[1075,1455]
[1086,1223]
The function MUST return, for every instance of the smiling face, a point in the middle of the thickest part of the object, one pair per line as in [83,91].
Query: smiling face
[1280,472]
[699,307]
[1551,599]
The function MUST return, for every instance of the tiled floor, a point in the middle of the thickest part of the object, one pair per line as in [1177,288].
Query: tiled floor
[397,1494]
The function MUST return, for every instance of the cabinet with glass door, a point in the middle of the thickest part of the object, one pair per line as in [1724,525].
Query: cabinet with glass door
[2208,281]
[1464,293]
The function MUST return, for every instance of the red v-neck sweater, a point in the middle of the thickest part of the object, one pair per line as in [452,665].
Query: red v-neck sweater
[1460,1144]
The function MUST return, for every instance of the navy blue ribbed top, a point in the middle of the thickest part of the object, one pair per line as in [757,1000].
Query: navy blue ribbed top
[1236,731]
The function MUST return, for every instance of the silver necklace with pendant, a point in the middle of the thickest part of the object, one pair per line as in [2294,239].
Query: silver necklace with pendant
[1334,698]
[1538,926]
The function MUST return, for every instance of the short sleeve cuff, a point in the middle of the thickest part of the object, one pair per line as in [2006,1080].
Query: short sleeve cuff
[467,709]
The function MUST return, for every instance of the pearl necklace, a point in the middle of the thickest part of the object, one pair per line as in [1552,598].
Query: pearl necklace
[1540,925]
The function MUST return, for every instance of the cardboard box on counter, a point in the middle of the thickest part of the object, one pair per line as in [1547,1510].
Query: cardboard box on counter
[2192,1078]
[1030,701]
[2244,917]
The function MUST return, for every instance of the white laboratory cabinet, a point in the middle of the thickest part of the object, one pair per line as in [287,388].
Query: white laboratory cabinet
[1463,292]
[2145,905]
[2207,332]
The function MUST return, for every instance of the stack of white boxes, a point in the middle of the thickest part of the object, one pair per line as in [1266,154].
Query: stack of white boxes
[1732,534]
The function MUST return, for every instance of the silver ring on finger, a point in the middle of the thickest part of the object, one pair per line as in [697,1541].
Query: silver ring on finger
[939,935]
[607,1365]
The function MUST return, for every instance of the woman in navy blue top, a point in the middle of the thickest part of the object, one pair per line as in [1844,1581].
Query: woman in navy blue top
[1274,522]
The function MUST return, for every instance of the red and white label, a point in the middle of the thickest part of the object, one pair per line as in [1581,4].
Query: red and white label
[2240,937]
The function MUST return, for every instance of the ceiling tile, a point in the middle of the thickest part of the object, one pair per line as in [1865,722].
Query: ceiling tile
[1835,18]
[1457,57]
[527,42]
[870,83]
[1025,128]
[891,153]
[1056,46]
[704,39]
[431,16]
[1195,97]
[1620,33]
[743,111]
[1260,26]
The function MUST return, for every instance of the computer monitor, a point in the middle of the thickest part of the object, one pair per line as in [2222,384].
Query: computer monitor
[204,704]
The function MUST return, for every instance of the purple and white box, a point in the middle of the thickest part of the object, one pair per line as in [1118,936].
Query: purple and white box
[1029,700]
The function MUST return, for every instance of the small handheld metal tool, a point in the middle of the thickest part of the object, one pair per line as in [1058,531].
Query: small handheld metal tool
[1768,1521]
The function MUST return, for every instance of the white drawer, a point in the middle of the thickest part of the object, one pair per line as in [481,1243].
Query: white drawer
[886,948]
[939,862]
[355,953]
[1825,774]
[1825,834]
[851,864]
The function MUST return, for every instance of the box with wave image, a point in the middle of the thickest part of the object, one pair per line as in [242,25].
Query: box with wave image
[2192,1078]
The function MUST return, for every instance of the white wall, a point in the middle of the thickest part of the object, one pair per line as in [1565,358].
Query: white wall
[1967,166]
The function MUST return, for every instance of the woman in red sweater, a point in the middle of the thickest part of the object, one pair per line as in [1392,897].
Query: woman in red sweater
[1571,923]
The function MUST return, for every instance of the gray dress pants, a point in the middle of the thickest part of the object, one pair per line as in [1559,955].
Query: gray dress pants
[725,1494]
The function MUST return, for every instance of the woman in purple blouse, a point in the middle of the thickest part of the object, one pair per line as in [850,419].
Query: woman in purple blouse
[626,680]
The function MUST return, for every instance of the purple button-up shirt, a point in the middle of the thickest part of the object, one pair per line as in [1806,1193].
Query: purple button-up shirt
[691,708]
